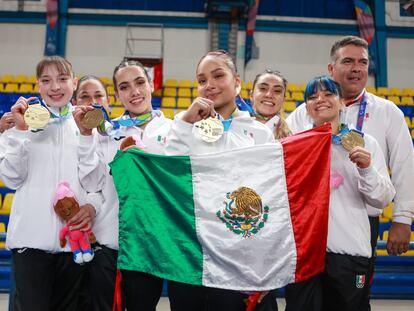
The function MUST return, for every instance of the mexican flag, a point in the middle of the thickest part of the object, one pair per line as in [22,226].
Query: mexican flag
[248,219]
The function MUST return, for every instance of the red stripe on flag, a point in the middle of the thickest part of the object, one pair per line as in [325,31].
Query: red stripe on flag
[117,305]
[307,166]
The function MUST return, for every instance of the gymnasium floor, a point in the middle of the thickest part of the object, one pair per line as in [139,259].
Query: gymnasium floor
[377,305]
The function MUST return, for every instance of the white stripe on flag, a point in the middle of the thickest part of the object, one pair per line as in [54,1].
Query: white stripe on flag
[265,260]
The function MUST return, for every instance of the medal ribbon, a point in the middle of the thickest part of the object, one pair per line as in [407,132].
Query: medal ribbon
[126,120]
[337,138]
[262,117]
[108,125]
[63,113]
[243,106]
[227,122]
[343,130]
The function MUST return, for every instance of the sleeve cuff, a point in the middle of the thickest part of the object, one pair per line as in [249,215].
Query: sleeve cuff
[182,125]
[96,200]
[20,134]
[86,140]
[402,220]
[364,172]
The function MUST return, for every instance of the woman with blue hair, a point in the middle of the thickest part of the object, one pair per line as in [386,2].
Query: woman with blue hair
[359,177]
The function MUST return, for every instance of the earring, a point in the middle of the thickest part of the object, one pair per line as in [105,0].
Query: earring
[342,116]
[238,89]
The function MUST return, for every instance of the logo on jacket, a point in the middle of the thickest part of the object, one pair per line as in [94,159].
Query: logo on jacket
[360,281]
[243,212]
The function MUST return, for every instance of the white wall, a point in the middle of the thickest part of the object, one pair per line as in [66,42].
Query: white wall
[21,47]
[183,50]
[98,49]
[95,49]
[400,65]
[299,57]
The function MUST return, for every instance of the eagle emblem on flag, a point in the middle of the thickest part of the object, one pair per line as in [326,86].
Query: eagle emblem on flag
[243,212]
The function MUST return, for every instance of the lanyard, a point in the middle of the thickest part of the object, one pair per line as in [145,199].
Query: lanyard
[108,126]
[361,112]
[127,121]
[227,122]
[337,139]
[262,117]
[243,106]
[343,130]
[63,113]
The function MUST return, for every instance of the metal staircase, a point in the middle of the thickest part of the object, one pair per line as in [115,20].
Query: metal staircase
[224,17]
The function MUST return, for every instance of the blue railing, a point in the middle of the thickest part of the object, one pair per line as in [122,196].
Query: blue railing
[394,275]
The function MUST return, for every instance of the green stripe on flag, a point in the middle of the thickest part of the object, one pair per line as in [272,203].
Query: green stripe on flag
[157,229]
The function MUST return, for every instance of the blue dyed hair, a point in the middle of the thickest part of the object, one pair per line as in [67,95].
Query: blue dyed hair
[322,83]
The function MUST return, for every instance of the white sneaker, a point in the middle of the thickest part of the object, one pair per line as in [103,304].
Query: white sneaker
[88,256]
[77,257]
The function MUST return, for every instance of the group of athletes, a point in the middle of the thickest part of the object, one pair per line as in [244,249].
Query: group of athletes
[46,142]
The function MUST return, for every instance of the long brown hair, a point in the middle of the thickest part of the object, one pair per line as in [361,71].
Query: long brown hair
[281,130]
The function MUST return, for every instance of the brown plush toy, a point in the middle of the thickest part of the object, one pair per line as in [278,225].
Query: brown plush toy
[66,206]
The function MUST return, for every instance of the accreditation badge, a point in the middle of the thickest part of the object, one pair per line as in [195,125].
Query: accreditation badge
[209,130]
[352,139]
[36,116]
[92,119]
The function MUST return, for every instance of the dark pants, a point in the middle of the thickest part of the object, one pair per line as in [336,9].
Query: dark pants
[99,284]
[46,281]
[341,287]
[344,282]
[304,296]
[374,225]
[185,297]
[142,290]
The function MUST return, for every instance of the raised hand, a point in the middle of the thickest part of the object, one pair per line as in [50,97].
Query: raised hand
[360,156]
[200,109]
[78,114]
[6,121]
[18,110]
[84,217]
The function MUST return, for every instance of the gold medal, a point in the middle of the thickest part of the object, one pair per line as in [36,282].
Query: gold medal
[92,118]
[209,130]
[351,140]
[36,116]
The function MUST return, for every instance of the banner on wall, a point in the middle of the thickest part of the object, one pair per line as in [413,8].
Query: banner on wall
[155,73]
[366,25]
[407,7]
[52,16]
[365,20]
[251,24]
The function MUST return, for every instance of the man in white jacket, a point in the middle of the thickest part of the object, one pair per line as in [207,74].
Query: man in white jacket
[383,120]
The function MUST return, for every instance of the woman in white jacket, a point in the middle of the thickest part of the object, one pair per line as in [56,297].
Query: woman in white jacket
[36,160]
[359,177]
[133,88]
[218,86]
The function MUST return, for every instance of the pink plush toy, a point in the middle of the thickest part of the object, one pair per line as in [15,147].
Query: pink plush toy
[336,179]
[66,206]
[132,142]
